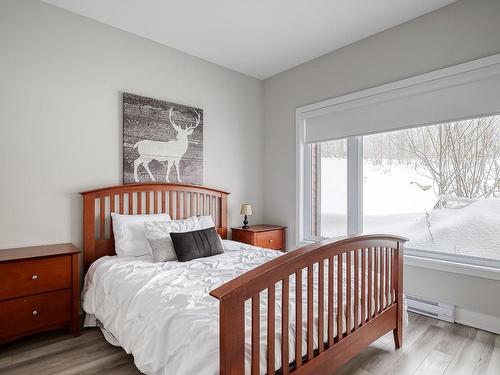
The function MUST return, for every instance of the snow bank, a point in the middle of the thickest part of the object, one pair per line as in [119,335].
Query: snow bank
[393,204]
[473,230]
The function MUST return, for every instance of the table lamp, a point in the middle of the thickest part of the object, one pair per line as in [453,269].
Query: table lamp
[246,209]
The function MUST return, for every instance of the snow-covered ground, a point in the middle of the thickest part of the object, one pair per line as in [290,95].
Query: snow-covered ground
[394,201]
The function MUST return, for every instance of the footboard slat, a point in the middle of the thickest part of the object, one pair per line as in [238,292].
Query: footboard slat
[310,312]
[285,325]
[382,279]
[321,294]
[356,288]
[393,276]
[376,277]
[330,301]
[298,318]
[256,335]
[339,296]
[366,293]
[380,300]
[271,317]
[386,282]
[363,286]
[370,283]
[348,310]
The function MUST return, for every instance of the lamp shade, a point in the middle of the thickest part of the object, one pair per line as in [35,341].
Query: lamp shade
[246,209]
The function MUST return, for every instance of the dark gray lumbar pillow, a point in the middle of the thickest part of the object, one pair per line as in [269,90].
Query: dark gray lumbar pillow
[196,244]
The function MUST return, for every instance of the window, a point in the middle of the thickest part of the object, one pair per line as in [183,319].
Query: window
[328,216]
[438,185]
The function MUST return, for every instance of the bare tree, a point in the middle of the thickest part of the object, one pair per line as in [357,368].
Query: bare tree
[334,149]
[462,158]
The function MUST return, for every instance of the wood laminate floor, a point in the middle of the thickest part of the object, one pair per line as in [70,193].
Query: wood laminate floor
[431,347]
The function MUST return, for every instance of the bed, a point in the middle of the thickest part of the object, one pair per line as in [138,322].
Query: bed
[249,310]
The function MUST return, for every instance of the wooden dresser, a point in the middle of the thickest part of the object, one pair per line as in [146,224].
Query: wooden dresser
[268,236]
[38,290]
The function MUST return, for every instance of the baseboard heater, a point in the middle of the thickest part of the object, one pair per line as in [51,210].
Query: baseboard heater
[431,308]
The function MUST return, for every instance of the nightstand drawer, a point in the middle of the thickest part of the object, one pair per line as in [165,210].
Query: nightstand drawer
[270,239]
[33,276]
[26,314]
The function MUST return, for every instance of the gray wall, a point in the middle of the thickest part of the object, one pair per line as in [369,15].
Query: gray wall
[61,78]
[463,31]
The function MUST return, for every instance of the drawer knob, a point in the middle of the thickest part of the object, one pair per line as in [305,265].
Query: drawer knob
[270,241]
[35,312]
[34,277]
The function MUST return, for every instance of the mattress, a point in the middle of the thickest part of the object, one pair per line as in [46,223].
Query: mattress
[163,315]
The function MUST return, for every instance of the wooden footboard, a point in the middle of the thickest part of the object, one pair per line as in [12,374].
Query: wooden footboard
[360,275]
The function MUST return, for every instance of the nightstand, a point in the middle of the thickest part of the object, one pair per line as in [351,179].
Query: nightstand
[39,290]
[268,236]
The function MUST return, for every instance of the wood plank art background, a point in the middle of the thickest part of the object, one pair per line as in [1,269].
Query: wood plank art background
[162,141]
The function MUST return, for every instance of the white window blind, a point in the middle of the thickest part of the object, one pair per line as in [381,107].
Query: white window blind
[463,91]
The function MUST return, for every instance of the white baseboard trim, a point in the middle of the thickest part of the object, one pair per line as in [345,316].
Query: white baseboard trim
[477,320]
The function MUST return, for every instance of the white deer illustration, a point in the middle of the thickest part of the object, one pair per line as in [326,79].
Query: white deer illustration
[169,151]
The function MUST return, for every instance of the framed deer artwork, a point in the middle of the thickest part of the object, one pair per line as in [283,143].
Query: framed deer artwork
[162,141]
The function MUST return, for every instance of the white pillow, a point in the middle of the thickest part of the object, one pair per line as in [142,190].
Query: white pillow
[128,230]
[158,234]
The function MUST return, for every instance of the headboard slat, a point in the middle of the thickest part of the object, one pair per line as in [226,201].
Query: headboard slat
[111,209]
[95,210]
[178,205]
[102,217]
[171,203]
[191,205]
[163,201]
[148,202]
[139,202]
[121,203]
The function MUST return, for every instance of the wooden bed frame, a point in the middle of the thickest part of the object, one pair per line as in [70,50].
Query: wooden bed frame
[373,265]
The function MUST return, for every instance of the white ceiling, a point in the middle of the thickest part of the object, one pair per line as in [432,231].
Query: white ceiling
[255,37]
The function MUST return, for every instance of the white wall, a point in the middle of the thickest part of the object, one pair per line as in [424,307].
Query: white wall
[461,32]
[61,78]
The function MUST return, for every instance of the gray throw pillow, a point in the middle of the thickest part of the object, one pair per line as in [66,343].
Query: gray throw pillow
[158,234]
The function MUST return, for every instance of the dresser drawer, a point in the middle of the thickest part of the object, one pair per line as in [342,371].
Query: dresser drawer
[33,276]
[271,239]
[25,314]
[243,236]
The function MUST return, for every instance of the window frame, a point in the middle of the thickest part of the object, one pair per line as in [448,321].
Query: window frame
[354,191]
[473,266]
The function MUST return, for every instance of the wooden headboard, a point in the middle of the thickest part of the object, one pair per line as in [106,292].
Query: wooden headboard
[178,200]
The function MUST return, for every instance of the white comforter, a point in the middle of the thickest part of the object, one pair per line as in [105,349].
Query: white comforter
[163,314]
